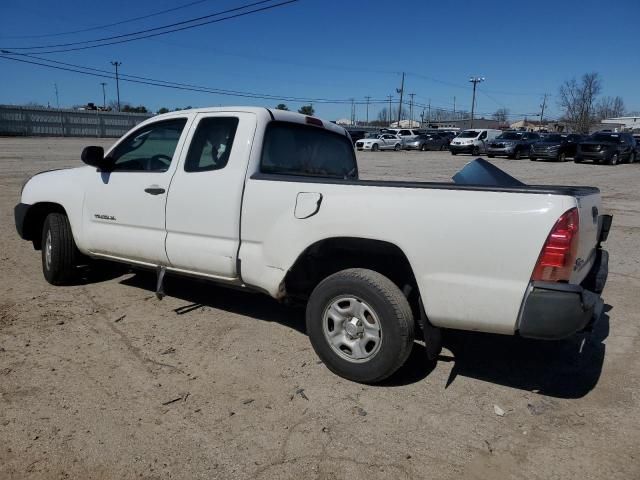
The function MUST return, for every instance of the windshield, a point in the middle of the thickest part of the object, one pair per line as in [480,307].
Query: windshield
[509,136]
[605,137]
[553,138]
[469,134]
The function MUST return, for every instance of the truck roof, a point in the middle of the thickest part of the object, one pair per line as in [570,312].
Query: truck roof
[264,112]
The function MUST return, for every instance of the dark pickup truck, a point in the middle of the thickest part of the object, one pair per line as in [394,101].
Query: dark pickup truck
[556,146]
[512,144]
[607,147]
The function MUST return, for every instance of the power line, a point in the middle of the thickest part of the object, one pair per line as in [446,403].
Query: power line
[100,27]
[141,37]
[174,85]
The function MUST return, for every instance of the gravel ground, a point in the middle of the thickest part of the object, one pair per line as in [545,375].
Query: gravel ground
[104,381]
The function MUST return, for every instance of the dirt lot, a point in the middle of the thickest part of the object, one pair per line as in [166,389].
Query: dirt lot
[89,374]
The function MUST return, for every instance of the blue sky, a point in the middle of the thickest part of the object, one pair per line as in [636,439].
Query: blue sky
[334,50]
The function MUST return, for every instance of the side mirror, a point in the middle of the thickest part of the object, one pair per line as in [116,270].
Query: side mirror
[94,156]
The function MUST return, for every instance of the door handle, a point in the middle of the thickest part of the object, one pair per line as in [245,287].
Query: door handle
[154,190]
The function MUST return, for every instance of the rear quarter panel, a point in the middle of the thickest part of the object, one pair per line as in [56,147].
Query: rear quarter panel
[472,252]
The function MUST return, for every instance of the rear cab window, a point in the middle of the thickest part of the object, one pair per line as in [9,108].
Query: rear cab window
[305,150]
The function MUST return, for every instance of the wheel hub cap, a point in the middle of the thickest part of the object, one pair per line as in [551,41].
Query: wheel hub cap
[352,329]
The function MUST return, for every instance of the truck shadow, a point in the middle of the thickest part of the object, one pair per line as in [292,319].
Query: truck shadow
[563,369]
[567,368]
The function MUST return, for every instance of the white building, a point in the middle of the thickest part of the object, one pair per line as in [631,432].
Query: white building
[627,123]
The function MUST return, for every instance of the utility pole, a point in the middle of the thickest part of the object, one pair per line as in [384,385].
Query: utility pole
[454,107]
[411,110]
[116,64]
[367,98]
[389,112]
[55,85]
[475,81]
[104,96]
[401,92]
[429,117]
[544,104]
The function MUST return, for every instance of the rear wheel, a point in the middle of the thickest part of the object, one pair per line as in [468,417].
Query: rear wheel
[375,147]
[423,147]
[632,158]
[490,156]
[397,147]
[59,251]
[578,160]
[533,159]
[562,157]
[360,325]
[453,152]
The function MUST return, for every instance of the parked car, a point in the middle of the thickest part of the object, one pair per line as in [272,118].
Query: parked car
[404,133]
[384,141]
[555,146]
[512,144]
[607,147]
[426,141]
[270,201]
[448,135]
[473,141]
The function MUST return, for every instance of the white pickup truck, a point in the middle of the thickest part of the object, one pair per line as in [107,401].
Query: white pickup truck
[270,201]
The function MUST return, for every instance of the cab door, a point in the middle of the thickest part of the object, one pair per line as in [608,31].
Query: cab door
[203,206]
[124,208]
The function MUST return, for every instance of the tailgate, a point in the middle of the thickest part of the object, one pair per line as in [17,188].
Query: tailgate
[589,210]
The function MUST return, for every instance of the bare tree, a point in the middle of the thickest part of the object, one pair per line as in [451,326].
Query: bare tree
[609,107]
[501,115]
[577,100]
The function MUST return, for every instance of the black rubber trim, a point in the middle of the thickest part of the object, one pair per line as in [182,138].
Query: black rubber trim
[271,113]
[20,212]
[534,189]
[605,227]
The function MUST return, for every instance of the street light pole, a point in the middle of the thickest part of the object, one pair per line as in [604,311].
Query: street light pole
[401,92]
[104,96]
[117,64]
[389,113]
[475,81]
[367,98]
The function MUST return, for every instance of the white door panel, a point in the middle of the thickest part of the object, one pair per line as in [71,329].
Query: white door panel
[203,206]
[124,210]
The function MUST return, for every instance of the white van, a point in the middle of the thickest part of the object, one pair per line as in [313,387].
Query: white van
[474,141]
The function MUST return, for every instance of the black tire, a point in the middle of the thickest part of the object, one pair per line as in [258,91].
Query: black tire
[614,159]
[375,147]
[632,157]
[391,309]
[397,147]
[475,151]
[533,159]
[453,152]
[490,156]
[578,160]
[517,155]
[59,251]
[562,157]
[423,147]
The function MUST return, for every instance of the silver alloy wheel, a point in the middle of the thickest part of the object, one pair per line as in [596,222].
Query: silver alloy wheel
[352,329]
[47,250]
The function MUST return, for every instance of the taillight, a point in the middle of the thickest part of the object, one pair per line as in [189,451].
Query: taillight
[558,255]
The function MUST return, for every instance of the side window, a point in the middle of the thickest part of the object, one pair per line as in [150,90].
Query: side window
[211,144]
[295,149]
[149,149]
[483,135]
[404,132]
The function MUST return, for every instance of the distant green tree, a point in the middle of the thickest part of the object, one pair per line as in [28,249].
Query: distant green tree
[163,110]
[138,109]
[306,110]
[281,106]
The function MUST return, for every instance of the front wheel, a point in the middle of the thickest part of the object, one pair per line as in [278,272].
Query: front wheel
[533,159]
[397,147]
[562,157]
[453,152]
[59,251]
[632,158]
[360,325]
[614,159]
[475,151]
[517,155]
[423,147]
[375,147]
